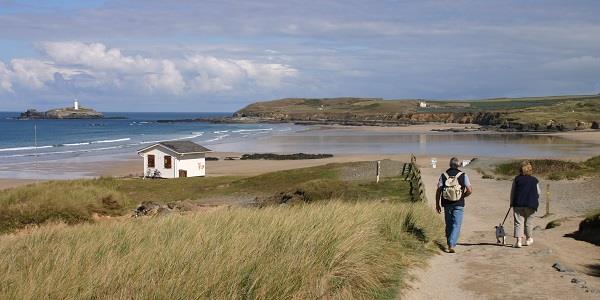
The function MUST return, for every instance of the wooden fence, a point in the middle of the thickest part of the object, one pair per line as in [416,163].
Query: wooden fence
[412,174]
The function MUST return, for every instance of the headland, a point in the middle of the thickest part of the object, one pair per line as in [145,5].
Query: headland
[531,114]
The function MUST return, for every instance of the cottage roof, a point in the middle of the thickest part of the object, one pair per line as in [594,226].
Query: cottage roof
[180,147]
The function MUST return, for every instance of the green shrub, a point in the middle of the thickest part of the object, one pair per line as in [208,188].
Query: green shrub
[553,224]
[554,169]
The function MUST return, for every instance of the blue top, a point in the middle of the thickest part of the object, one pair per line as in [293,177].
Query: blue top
[525,192]
[464,182]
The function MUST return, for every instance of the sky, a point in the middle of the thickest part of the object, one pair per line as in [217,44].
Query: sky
[201,56]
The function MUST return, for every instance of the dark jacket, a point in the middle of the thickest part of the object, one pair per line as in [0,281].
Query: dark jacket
[525,192]
[461,180]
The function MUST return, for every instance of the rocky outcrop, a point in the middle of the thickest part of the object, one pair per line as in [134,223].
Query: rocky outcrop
[33,114]
[383,119]
[62,113]
[295,156]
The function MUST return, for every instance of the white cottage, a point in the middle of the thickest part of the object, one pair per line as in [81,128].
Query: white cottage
[174,159]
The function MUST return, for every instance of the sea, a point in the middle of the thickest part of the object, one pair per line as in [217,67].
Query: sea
[118,134]
[26,143]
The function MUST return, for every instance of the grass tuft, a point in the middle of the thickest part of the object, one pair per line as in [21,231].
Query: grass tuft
[589,228]
[553,224]
[333,250]
[555,169]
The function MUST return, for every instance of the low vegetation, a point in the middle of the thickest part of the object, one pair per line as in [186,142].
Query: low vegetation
[589,228]
[554,169]
[570,112]
[79,200]
[343,238]
[334,250]
[554,224]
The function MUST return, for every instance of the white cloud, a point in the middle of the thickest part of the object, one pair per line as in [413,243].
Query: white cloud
[5,82]
[109,68]
[97,56]
[214,75]
[34,73]
[169,79]
[267,75]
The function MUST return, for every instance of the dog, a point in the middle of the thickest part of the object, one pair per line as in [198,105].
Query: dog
[500,235]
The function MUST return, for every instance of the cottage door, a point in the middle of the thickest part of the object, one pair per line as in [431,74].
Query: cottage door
[182,173]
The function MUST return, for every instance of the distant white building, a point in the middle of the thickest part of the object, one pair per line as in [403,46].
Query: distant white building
[422,104]
[174,159]
[76,105]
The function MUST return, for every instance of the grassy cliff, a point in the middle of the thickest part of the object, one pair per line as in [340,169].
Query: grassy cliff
[523,114]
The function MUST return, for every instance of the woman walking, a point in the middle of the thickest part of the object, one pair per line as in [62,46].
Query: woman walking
[524,199]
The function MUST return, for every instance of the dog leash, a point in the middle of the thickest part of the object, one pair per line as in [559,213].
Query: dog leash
[509,208]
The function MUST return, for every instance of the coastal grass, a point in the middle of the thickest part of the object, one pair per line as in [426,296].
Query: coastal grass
[568,111]
[332,250]
[76,201]
[554,169]
[566,108]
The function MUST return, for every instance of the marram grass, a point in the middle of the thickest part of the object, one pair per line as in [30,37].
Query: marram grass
[334,250]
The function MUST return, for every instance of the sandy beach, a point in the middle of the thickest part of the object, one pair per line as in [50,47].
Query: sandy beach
[130,165]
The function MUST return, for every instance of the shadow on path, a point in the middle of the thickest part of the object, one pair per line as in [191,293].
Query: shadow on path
[483,244]
[592,238]
[593,270]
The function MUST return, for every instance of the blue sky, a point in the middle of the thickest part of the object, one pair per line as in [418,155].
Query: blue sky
[221,55]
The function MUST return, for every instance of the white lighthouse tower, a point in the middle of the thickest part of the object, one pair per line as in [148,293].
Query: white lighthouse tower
[76,104]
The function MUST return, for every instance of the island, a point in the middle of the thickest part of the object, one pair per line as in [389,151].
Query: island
[74,112]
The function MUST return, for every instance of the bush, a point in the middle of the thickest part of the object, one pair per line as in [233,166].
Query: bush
[589,228]
[553,224]
[554,169]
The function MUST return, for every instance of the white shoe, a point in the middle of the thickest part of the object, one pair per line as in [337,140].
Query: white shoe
[529,242]
[518,244]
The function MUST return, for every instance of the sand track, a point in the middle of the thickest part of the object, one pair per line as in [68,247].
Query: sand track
[483,270]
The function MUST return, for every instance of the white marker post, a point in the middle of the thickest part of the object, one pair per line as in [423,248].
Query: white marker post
[433,162]
[378,169]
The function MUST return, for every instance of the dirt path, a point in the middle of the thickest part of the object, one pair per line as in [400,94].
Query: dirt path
[483,270]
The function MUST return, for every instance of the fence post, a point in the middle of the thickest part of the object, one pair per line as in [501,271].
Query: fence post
[378,169]
[547,200]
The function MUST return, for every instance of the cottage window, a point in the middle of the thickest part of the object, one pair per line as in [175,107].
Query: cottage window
[150,161]
[167,162]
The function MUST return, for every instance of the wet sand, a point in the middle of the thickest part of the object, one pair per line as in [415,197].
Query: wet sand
[588,136]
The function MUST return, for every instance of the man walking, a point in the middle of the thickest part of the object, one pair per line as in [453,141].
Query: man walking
[453,187]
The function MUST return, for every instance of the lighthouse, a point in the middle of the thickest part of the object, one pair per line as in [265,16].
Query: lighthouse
[76,105]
